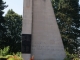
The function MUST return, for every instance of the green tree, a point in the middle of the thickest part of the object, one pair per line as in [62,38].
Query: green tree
[13,34]
[66,12]
[2,21]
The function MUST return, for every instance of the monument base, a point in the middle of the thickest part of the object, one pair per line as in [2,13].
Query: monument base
[26,56]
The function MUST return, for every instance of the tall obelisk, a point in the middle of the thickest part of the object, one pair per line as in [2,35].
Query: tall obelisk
[40,34]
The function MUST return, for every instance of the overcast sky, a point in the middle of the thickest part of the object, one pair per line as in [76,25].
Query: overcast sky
[16,5]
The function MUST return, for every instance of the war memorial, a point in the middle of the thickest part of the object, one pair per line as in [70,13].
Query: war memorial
[40,33]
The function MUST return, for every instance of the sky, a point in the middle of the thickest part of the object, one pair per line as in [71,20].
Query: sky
[16,5]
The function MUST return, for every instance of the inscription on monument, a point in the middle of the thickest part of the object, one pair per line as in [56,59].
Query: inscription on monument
[26,43]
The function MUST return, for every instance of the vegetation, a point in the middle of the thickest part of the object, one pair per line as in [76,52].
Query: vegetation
[5,51]
[67,17]
[2,21]
[4,54]
[71,56]
[11,57]
[13,34]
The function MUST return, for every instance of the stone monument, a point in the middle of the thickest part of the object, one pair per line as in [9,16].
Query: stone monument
[40,34]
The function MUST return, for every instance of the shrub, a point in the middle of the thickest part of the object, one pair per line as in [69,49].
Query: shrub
[71,56]
[4,52]
[5,55]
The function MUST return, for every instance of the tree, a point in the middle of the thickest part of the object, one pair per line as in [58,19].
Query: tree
[2,21]
[13,34]
[66,12]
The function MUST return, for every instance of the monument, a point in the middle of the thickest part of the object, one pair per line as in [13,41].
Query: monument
[40,34]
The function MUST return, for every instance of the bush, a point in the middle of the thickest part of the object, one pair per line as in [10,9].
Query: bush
[14,57]
[71,56]
[5,55]
[5,51]
[11,57]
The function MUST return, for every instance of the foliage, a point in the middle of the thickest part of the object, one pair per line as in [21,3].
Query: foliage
[12,57]
[2,21]
[10,29]
[71,56]
[17,54]
[4,52]
[13,34]
[66,12]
